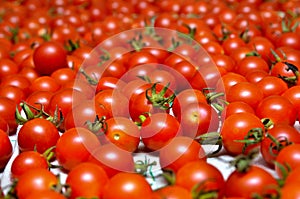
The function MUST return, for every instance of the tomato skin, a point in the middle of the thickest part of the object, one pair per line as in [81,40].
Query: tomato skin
[159,129]
[46,194]
[26,161]
[290,190]
[197,119]
[202,172]
[80,142]
[277,109]
[255,177]
[236,127]
[139,187]
[6,149]
[123,132]
[236,107]
[289,155]
[7,112]
[172,192]
[282,132]
[251,63]
[112,159]
[48,57]
[34,181]
[81,186]
[4,125]
[179,151]
[293,95]
[37,133]
[246,92]
[271,85]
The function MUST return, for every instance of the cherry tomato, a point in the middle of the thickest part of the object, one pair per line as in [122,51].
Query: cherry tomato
[255,177]
[271,85]
[236,127]
[201,173]
[6,149]
[80,143]
[277,109]
[197,119]
[284,134]
[33,133]
[288,157]
[112,159]
[173,191]
[159,129]
[34,181]
[26,161]
[179,151]
[45,194]
[87,180]
[48,57]
[131,185]
[122,132]
[236,107]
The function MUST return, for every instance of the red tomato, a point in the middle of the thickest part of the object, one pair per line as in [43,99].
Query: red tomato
[236,127]
[122,132]
[112,159]
[158,130]
[255,177]
[32,135]
[271,85]
[4,125]
[114,101]
[80,141]
[245,92]
[26,161]
[87,180]
[290,190]
[179,151]
[39,98]
[7,112]
[45,194]
[197,119]
[284,134]
[172,192]
[49,57]
[201,173]
[236,107]
[251,63]
[6,149]
[35,180]
[277,109]
[44,83]
[289,157]
[184,98]
[129,185]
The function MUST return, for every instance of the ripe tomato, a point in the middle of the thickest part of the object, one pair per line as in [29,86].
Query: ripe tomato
[290,190]
[6,149]
[39,98]
[197,119]
[201,173]
[46,194]
[112,159]
[44,83]
[35,180]
[277,109]
[293,95]
[184,98]
[7,112]
[172,192]
[75,146]
[289,157]
[159,129]
[271,85]
[39,134]
[87,180]
[245,92]
[26,161]
[251,63]
[236,127]
[236,107]
[122,132]
[284,134]
[179,151]
[129,185]
[4,125]
[115,102]
[49,57]
[255,177]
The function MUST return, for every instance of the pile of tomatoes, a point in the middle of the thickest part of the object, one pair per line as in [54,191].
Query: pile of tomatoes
[87,86]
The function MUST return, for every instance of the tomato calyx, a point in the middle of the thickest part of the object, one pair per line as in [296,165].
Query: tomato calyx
[159,100]
[254,136]
[91,80]
[242,162]
[290,80]
[71,45]
[145,167]
[200,191]
[57,118]
[98,126]
[211,138]
[277,144]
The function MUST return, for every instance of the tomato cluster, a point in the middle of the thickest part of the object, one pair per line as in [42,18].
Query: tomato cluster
[89,86]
